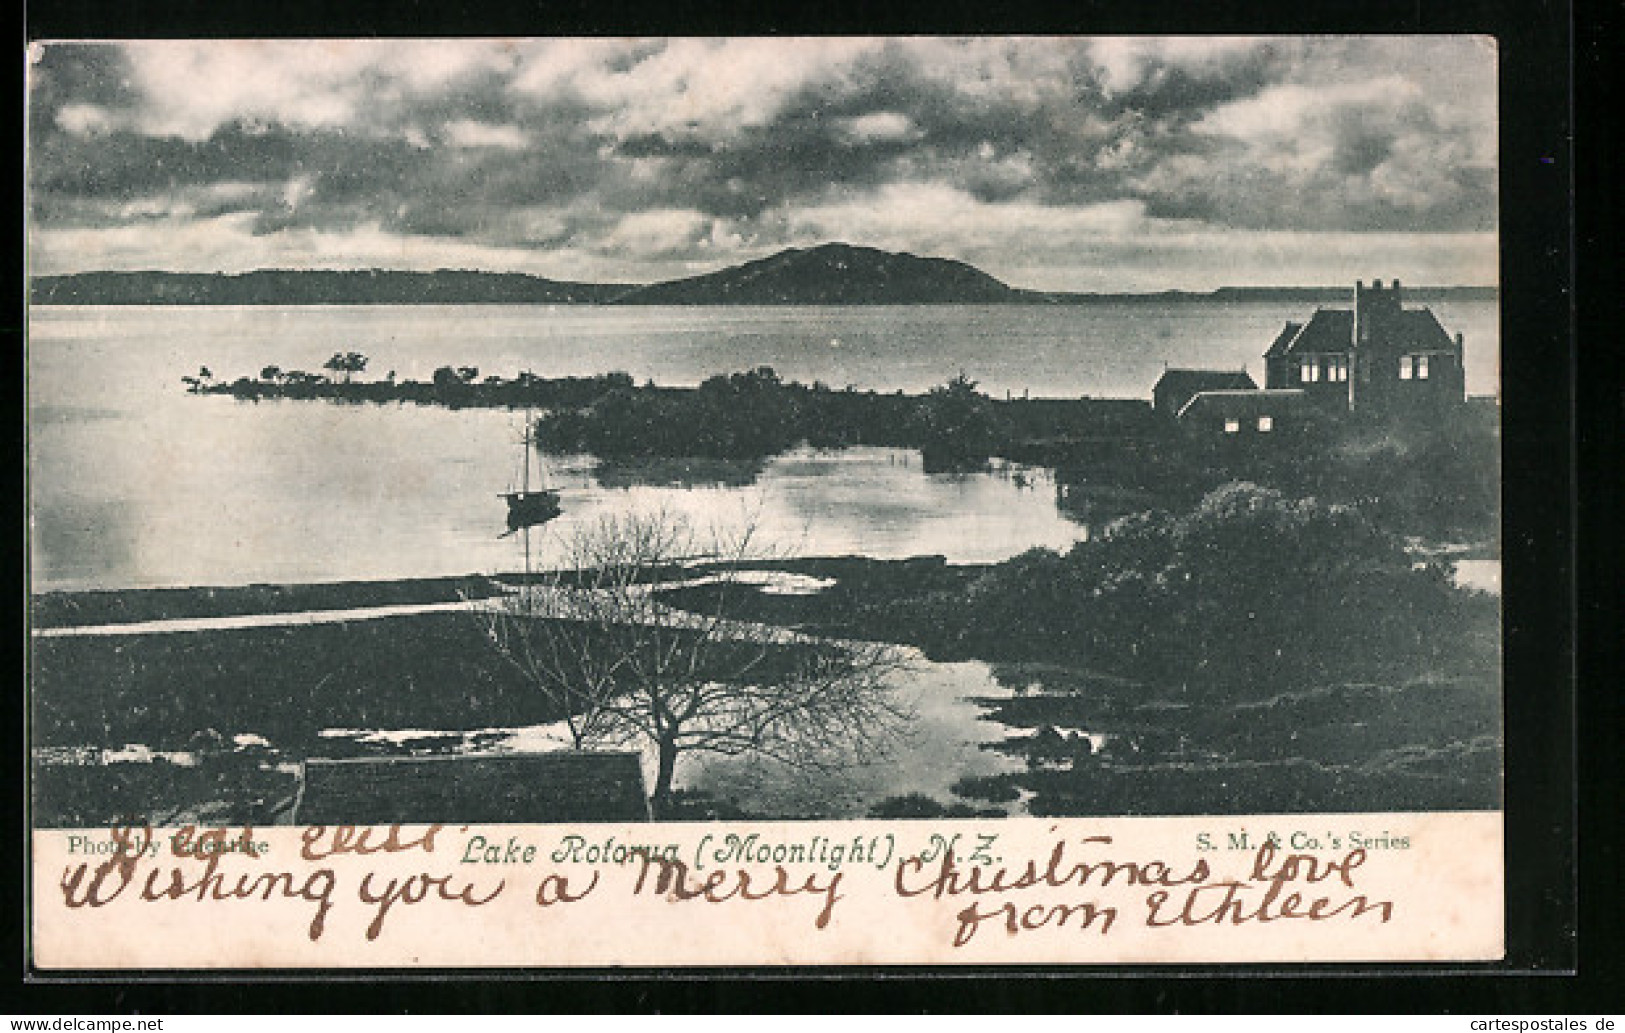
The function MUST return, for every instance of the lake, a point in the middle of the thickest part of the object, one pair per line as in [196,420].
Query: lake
[945,741]
[133,482]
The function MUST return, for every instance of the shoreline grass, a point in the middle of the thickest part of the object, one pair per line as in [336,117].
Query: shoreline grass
[1422,733]
[82,608]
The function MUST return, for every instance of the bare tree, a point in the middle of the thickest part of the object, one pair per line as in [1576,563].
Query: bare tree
[627,668]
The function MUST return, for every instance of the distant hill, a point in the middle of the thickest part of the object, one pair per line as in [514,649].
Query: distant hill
[831,274]
[314,287]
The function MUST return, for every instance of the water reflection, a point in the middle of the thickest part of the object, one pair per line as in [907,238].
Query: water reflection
[677,472]
[946,744]
[133,482]
[946,747]
[210,491]
[82,537]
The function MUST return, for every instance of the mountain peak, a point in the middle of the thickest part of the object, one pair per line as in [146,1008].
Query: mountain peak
[835,273]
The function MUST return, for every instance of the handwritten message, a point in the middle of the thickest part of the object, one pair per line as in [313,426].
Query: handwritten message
[910,892]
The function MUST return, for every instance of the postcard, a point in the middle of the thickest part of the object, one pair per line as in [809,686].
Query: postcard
[592,502]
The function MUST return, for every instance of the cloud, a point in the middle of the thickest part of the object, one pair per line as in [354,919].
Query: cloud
[84,120]
[689,89]
[66,74]
[880,126]
[633,156]
[1130,63]
[230,243]
[1365,155]
[191,89]
[657,233]
[468,133]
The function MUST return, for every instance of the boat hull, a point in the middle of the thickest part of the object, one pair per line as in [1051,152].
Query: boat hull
[529,508]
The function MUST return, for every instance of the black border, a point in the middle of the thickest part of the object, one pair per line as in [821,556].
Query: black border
[1539,367]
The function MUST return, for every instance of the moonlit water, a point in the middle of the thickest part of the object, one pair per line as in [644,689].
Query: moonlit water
[945,743]
[134,482]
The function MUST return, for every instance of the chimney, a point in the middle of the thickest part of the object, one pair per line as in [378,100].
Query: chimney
[1361,320]
[1461,362]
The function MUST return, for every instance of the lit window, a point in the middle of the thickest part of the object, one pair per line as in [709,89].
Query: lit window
[1421,367]
[1337,368]
[1406,367]
[1266,424]
[1232,426]
[1309,371]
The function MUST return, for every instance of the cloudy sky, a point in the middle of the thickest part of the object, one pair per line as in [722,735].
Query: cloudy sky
[1054,163]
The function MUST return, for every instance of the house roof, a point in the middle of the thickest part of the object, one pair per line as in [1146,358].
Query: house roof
[1332,330]
[1187,382]
[563,786]
[1328,330]
[1419,330]
[1284,338]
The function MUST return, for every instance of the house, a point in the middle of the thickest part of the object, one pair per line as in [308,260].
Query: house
[517,788]
[1178,386]
[1380,358]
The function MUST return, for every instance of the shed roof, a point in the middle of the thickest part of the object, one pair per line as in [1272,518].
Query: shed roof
[563,786]
[1247,402]
[1190,381]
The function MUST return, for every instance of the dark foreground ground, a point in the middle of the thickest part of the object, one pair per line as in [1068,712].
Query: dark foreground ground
[1098,730]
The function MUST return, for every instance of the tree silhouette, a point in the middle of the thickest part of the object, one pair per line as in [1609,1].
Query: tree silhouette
[954,424]
[346,363]
[630,670]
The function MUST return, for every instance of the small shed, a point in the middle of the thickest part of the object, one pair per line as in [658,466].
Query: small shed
[516,788]
[1176,387]
[1244,415]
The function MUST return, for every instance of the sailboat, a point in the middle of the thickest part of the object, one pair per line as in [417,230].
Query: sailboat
[528,508]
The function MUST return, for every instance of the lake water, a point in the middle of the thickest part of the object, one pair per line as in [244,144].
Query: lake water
[945,741]
[133,482]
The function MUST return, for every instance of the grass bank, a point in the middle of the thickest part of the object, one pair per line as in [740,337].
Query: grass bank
[1256,653]
[130,606]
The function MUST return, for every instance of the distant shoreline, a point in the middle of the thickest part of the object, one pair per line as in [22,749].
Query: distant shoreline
[60,292]
[830,274]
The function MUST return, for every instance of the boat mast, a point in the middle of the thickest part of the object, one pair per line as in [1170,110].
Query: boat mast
[526,444]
